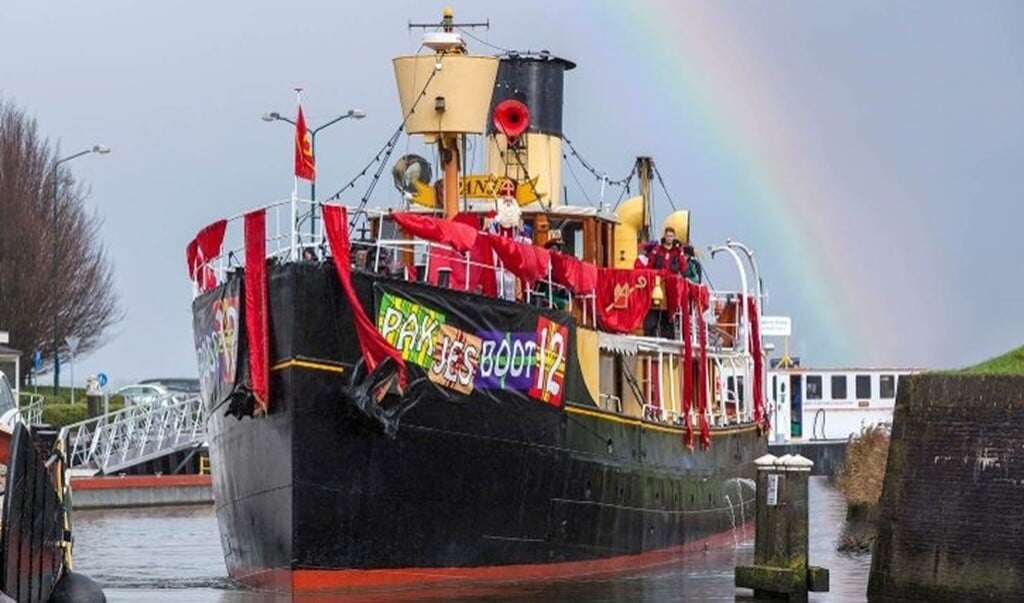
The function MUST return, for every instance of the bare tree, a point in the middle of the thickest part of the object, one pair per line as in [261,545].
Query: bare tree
[45,284]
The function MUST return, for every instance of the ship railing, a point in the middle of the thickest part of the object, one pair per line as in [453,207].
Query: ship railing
[32,409]
[610,402]
[386,256]
[291,230]
[136,433]
[660,392]
[734,374]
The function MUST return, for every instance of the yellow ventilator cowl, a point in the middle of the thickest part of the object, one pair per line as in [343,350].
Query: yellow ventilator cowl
[631,215]
[680,222]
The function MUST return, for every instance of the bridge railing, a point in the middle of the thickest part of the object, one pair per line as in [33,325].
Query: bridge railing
[32,409]
[135,434]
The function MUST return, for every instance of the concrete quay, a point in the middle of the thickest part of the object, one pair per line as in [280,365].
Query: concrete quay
[118,491]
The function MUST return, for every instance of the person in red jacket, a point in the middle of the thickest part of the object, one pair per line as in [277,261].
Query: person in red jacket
[668,255]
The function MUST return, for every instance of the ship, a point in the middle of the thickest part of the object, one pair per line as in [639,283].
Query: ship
[815,411]
[481,383]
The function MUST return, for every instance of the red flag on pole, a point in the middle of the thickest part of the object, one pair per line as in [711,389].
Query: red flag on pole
[305,164]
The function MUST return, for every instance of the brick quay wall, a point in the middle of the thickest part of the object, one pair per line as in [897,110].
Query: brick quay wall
[951,515]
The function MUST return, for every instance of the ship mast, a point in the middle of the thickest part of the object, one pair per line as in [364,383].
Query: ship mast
[457,84]
[644,171]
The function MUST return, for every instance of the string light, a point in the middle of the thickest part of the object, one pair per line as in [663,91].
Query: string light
[597,174]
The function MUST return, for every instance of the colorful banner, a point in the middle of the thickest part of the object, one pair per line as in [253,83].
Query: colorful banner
[552,342]
[220,341]
[462,349]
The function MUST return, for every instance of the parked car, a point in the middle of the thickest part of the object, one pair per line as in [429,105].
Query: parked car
[176,385]
[144,393]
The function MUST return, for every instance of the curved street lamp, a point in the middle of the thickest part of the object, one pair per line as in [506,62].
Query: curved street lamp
[101,150]
[351,113]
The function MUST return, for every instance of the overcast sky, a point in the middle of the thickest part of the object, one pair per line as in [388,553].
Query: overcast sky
[888,136]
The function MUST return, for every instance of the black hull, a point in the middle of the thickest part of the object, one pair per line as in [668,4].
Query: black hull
[315,489]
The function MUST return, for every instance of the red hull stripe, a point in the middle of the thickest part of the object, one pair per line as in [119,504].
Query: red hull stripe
[139,481]
[341,580]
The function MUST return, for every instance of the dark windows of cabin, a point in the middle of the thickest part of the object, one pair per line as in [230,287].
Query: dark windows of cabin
[887,386]
[838,387]
[814,387]
[572,234]
[863,386]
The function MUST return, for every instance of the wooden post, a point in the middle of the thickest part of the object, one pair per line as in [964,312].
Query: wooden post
[450,155]
[780,536]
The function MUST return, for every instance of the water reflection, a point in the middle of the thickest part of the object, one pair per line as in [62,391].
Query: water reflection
[174,554]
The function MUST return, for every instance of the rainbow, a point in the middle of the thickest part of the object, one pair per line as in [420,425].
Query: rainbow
[713,88]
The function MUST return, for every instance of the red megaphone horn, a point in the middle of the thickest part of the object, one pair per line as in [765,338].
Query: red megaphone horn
[511,117]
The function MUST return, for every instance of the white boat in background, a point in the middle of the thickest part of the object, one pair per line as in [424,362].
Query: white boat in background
[818,405]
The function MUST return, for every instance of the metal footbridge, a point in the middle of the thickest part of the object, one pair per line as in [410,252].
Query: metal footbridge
[138,433]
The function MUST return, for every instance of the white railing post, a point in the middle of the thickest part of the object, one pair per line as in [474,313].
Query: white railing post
[294,228]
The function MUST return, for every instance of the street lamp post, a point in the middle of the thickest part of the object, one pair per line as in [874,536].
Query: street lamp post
[275,116]
[102,150]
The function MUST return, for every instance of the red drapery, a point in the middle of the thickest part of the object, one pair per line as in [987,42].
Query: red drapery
[676,289]
[760,417]
[442,258]
[375,348]
[456,235]
[204,247]
[623,298]
[479,273]
[687,368]
[578,277]
[256,308]
[702,298]
[482,278]
[528,262]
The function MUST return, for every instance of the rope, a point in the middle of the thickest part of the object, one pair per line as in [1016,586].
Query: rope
[578,183]
[664,188]
[625,189]
[482,41]
[526,173]
[385,151]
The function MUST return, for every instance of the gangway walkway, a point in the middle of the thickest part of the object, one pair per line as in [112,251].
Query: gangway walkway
[31,411]
[136,434]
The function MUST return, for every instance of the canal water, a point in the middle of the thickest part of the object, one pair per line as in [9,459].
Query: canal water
[174,554]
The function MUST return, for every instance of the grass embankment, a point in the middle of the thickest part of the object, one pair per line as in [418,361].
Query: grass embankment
[1010,363]
[860,483]
[58,410]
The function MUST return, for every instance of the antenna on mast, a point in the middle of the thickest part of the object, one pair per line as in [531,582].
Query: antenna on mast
[447,24]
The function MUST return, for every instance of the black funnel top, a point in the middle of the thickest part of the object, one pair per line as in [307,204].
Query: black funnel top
[536,80]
